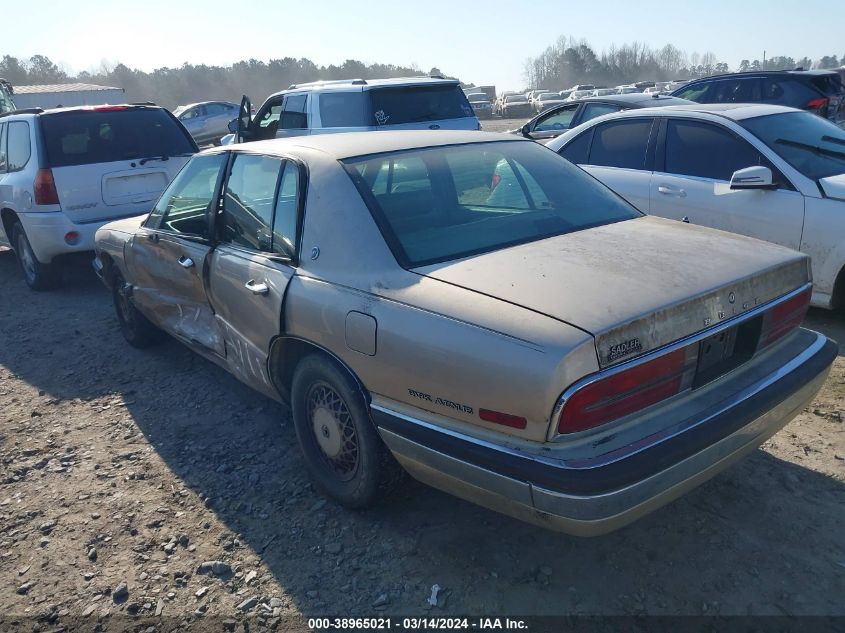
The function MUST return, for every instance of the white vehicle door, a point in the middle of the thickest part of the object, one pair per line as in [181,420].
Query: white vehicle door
[256,249]
[694,162]
[617,154]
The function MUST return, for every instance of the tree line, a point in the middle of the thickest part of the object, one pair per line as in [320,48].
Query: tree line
[568,62]
[190,83]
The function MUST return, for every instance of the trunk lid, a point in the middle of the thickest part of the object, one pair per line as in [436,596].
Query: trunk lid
[635,285]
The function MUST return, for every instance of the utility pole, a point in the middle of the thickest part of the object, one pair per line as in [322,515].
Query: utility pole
[764,60]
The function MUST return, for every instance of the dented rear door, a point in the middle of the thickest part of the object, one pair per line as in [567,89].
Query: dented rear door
[253,261]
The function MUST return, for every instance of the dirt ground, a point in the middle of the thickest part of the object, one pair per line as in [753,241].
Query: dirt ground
[123,471]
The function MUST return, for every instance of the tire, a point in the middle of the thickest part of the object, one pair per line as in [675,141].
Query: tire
[37,276]
[347,460]
[136,328]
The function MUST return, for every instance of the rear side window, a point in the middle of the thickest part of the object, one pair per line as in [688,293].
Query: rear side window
[706,151]
[576,151]
[18,146]
[621,144]
[418,104]
[248,202]
[287,212]
[743,90]
[85,137]
[343,109]
[786,91]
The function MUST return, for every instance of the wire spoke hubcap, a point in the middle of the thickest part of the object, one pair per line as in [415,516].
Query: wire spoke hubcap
[334,430]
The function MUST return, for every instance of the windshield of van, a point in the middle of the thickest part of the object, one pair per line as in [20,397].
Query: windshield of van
[84,137]
[443,203]
[812,145]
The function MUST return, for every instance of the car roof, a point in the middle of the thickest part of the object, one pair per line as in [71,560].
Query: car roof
[760,73]
[33,112]
[363,84]
[734,111]
[632,98]
[199,103]
[350,144]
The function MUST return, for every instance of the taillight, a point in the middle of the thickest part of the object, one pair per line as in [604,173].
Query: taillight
[819,104]
[45,188]
[628,391]
[785,317]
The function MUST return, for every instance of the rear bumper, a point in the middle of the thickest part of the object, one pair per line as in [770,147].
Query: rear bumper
[597,500]
[46,233]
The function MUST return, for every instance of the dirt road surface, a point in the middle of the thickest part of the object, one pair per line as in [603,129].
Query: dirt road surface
[124,471]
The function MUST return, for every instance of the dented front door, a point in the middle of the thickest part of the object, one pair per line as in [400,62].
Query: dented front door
[167,258]
[254,260]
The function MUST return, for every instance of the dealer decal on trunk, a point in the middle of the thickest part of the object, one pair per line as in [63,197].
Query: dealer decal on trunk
[624,349]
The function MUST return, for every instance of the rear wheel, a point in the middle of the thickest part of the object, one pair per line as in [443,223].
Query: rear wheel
[38,276]
[136,328]
[342,450]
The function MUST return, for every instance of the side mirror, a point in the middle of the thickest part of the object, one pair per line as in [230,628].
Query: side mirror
[233,126]
[752,178]
[526,130]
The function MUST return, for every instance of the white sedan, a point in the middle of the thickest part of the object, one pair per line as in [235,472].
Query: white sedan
[769,172]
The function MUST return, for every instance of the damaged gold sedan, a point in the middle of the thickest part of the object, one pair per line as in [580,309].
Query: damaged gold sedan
[480,311]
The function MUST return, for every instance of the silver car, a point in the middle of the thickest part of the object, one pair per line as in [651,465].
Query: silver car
[208,121]
[527,341]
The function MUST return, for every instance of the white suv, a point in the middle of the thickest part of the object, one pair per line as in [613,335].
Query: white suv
[356,105]
[66,172]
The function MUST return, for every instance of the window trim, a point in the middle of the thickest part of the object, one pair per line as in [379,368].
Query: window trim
[294,261]
[213,204]
[5,167]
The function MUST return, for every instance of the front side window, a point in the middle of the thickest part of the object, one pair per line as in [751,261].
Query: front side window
[248,202]
[812,145]
[293,115]
[183,207]
[18,148]
[456,201]
[558,120]
[697,92]
[704,150]
[621,144]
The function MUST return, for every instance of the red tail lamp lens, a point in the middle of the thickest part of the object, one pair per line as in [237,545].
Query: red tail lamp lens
[45,188]
[785,317]
[620,394]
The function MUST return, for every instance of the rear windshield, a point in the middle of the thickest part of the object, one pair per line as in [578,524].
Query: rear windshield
[828,84]
[444,203]
[812,145]
[416,104]
[83,137]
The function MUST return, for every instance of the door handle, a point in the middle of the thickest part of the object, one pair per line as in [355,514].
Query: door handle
[671,191]
[256,289]
[186,262]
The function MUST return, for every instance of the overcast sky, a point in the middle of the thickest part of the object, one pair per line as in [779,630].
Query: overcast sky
[482,42]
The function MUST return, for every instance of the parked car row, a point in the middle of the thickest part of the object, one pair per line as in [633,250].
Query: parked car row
[468,307]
